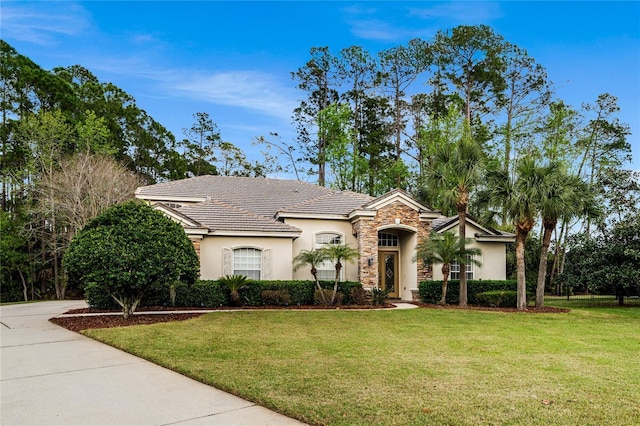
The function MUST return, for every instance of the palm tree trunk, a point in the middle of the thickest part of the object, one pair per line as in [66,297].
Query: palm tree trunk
[521,238]
[445,281]
[335,283]
[542,268]
[462,232]
[314,272]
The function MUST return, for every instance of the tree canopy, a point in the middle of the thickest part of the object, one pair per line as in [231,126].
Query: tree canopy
[129,249]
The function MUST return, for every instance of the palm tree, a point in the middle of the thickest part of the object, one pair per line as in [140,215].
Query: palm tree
[566,196]
[455,172]
[311,258]
[521,196]
[234,283]
[445,248]
[339,253]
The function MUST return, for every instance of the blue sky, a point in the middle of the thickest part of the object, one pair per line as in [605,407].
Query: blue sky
[234,60]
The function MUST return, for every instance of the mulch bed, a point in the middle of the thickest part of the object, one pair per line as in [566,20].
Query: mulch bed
[107,321]
[79,323]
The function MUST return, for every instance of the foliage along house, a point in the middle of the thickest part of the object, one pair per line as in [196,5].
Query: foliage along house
[256,226]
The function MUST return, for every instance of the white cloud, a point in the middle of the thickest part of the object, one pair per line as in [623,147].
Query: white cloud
[251,90]
[42,22]
[373,29]
[460,12]
[372,23]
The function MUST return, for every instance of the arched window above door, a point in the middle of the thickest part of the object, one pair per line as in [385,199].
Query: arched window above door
[386,239]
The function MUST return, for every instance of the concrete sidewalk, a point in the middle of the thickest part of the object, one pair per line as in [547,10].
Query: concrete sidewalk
[52,376]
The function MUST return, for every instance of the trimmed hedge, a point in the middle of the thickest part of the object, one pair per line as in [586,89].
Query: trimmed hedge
[301,292]
[431,291]
[209,294]
[498,299]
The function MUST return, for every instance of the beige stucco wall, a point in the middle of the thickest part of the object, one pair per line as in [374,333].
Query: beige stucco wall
[493,258]
[306,241]
[277,258]
[408,268]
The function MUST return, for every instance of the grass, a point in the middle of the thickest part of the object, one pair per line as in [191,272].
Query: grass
[420,366]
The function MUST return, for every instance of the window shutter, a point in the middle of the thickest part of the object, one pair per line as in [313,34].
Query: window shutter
[266,264]
[227,261]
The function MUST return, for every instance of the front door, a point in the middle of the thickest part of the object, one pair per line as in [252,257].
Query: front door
[388,273]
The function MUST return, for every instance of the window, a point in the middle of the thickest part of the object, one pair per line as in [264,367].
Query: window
[247,262]
[326,270]
[455,269]
[387,240]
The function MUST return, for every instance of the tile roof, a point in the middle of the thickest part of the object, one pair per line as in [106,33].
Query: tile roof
[220,216]
[251,204]
[336,202]
[260,195]
[443,222]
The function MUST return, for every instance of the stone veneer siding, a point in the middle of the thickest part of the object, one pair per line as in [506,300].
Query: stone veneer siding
[366,230]
[196,245]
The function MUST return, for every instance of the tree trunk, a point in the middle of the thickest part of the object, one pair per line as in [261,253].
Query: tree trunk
[462,232]
[314,272]
[335,283]
[542,267]
[128,305]
[445,280]
[521,238]
[235,298]
[25,292]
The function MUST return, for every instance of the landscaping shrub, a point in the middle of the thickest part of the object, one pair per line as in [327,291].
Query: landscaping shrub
[344,287]
[379,297]
[235,283]
[203,293]
[430,291]
[276,297]
[319,300]
[359,296]
[211,294]
[498,298]
[98,298]
[301,292]
[128,251]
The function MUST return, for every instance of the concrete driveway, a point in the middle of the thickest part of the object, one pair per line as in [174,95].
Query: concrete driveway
[52,376]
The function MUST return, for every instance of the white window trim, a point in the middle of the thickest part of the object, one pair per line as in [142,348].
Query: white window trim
[261,274]
[327,271]
[455,269]
[397,240]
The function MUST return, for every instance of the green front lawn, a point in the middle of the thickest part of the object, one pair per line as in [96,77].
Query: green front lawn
[405,367]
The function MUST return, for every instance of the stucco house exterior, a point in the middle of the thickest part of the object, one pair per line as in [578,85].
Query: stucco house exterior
[256,226]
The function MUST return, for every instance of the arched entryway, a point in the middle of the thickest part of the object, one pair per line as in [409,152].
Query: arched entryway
[396,271]
[385,261]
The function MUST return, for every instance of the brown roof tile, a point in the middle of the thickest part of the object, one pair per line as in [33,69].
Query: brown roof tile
[220,216]
[250,204]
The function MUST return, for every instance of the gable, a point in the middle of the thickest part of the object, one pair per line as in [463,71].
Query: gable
[394,198]
[475,229]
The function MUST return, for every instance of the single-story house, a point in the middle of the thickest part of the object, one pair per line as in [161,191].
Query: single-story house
[256,226]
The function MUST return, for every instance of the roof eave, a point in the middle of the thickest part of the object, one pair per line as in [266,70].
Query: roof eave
[293,215]
[495,238]
[177,199]
[273,234]
[362,214]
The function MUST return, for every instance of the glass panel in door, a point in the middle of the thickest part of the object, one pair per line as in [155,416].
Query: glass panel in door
[389,272]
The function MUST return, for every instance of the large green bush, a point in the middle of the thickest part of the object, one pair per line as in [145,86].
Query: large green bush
[607,263]
[129,251]
[431,291]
